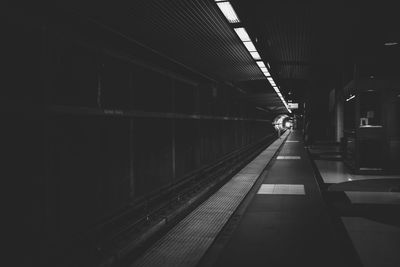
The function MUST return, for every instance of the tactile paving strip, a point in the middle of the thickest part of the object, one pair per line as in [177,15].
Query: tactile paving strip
[186,243]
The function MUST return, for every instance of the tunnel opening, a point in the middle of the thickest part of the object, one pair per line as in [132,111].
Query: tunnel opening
[283,122]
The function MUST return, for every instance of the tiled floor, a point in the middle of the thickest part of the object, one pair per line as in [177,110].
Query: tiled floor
[358,197]
[333,172]
[368,207]
[282,189]
[376,243]
[285,223]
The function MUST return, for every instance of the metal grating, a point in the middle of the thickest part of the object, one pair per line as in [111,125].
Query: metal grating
[186,243]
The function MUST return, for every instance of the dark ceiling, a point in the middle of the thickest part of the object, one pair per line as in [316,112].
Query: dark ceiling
[308,45]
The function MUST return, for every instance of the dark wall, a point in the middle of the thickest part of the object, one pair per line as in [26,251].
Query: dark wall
[102,124]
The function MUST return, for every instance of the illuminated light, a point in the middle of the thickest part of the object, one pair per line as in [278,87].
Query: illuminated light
[265,71]
[250,46]
[268,65]
[266,74]
[228,11]
[270,80]
[391,43]
[350,98]
[255,55]
[242,33]
[261,64]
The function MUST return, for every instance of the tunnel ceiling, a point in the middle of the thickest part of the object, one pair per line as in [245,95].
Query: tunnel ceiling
[306,41]
[194,33]
[301,41]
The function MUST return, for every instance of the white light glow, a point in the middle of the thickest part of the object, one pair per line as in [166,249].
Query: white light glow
[255,55]
[391,43]
[228,12]
[270,80]
[250,46]
[261,64]
[242,33]
[350,98]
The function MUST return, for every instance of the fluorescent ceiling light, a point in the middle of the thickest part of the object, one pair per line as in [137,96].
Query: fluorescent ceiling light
[391,43]
[266,72]
[241,32]
[268,65]
[261,64]
[351,97]
[255,55]
[270,80]
[228,12]
[250,46]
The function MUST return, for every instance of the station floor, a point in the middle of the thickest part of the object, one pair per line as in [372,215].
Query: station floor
[273,213]
[368,206]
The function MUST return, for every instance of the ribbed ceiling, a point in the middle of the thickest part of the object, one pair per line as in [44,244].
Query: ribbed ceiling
[301,41]
[194,33]
[290,43]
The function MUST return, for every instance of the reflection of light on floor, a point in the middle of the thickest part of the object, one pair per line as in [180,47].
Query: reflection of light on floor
[288,157]
[350,179]
[282,189]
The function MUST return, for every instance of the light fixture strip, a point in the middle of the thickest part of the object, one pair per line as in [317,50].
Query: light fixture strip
[255,55]
[261,64]
[230,14]
[242,33]
[350,98]
[250,46]
[228,11]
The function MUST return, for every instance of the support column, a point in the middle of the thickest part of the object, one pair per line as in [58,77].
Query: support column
[339,119]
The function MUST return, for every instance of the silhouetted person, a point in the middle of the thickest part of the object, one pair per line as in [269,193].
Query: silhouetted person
[307,134]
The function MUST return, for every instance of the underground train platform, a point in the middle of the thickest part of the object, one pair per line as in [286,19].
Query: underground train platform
[201,133]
